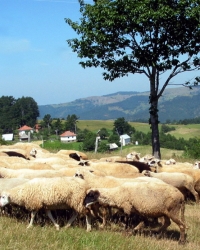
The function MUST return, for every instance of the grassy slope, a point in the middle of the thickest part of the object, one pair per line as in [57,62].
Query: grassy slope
[184,131]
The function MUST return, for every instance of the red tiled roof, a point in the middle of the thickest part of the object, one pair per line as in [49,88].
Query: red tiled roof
[25,128]
[68,133]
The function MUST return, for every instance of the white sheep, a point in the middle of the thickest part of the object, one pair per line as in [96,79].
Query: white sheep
[196,165]
[146,199]
[49,194]
[179,180]
[6,184]
[94,181]
[32,173]
[121,170]
[33,152]
[181,168]
[133,156]
[29,165]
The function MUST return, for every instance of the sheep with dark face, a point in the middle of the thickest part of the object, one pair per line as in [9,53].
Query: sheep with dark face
[146,199]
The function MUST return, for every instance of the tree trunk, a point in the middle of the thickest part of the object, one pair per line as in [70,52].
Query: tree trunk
[153,110]
[155,131]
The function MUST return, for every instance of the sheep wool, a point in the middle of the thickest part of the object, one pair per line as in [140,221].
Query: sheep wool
[50,194]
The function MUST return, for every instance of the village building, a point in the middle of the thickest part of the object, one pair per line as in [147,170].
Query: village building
[68,136]
[24,133]
[125,139]
[8,137]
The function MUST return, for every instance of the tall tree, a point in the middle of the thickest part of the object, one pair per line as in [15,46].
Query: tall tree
[27,110]
[15,113]
[70,123]
[121,126]
[47,122]
[147,37]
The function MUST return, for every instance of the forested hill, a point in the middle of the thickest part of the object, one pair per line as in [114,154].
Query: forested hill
[175,104]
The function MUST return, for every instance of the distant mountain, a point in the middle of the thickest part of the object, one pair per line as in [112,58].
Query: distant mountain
[175,104]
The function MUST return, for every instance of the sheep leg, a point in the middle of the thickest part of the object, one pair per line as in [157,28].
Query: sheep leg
[49,214]
[88,222]
[139,227]
[33,214]
[165,224]
[72,219]
[195,194]
[182,228]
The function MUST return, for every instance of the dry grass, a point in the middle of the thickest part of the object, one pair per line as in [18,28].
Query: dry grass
[15,236]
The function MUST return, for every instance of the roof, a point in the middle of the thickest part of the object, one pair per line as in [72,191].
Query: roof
[125,136]
[25,128]
[7,137]
[113,145]
[67,133]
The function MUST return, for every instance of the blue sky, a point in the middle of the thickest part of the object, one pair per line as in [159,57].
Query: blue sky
[36,61]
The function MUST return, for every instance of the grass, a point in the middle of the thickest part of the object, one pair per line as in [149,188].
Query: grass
[15,236]
[182,131]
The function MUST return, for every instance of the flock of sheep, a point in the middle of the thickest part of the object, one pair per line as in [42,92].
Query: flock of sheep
[143,188]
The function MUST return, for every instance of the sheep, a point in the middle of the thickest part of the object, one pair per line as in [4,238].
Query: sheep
[141,166]
[133,156]
[170,162]
[49,194]
[73,154]
[196,165]
[48,173]
[12,159]
[6,184]
[182,168]
[30,165]
[31,173]
[112,159]
[146,199]
[109,181]
[179,180]
[33,152]
[121,170]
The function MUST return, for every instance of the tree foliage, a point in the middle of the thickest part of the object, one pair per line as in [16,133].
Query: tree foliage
[121,126]
[15,113]
[70,123]
[89,142]
[147,37]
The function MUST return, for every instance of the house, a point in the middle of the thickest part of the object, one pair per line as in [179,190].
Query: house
[24,133]
[68,136]
[125,139]
[112,146]
[8,137]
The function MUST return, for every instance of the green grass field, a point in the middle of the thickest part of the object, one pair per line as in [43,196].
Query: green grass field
[184,131]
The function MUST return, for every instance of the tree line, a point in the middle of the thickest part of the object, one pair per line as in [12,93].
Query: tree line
[15,113]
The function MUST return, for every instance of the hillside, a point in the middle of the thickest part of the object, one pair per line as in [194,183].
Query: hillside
[175,104]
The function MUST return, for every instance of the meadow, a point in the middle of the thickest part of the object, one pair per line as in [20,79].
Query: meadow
[181,131]
[15,236]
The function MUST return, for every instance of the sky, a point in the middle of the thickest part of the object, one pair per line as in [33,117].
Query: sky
[36,61]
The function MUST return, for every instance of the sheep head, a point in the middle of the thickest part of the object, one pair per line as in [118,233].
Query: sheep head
[146,173]
[4,199]
[91,197]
